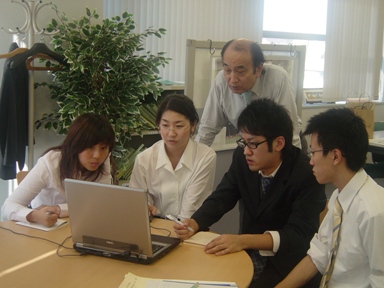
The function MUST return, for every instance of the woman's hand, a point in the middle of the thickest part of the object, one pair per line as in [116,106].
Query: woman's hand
[46,215]
[152,209]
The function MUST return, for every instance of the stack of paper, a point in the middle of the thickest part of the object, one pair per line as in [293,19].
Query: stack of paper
[58,224]
[379,142]
[202,238]
[133,281]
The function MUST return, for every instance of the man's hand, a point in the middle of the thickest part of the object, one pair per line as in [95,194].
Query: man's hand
[182,230]
[224,244]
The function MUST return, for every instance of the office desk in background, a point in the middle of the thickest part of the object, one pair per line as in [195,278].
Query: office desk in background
[29,262]
[376,146]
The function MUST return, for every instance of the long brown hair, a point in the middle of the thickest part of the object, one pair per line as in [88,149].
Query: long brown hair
[87,130]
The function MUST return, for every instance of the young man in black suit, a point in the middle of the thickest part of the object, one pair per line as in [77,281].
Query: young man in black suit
[278,222]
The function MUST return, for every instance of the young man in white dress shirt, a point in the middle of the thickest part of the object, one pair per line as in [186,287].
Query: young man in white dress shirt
[244,78]
[338,148]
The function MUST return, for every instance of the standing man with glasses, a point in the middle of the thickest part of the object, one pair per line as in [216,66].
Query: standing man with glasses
[280,198]
[348,249]
[245,77]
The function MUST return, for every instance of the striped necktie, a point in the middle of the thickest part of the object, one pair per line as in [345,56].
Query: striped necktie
[265,181]
[337,218]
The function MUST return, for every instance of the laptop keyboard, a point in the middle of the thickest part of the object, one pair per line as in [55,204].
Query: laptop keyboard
[156,247]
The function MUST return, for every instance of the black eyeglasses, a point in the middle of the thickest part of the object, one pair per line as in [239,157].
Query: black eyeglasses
[251,145]
[310,152]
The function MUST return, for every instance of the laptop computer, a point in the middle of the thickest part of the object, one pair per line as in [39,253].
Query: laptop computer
[113,221]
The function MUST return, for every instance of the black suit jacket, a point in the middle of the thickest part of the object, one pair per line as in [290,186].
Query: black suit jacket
[13,118]
[291,206]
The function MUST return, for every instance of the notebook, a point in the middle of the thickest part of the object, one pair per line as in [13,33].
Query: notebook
[112,221]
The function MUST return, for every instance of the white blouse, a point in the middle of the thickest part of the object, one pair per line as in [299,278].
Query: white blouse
[42,186]
[179,191]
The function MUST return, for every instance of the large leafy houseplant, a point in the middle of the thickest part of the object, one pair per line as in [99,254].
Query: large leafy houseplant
[105,74]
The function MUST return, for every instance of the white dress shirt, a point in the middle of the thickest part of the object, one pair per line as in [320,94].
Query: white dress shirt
[178,191]
[42,186]
[223,106]
[360,257]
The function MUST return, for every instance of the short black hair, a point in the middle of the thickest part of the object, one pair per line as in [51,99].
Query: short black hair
[178,103]
[264,117]
[340,128]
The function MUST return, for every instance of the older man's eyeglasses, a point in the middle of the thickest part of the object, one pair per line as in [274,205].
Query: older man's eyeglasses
[251,145]
[310,152]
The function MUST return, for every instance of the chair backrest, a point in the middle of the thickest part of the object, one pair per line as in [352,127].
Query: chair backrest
[20,176]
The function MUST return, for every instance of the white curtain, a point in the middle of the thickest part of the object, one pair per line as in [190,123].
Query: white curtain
[218,20]
[354,46]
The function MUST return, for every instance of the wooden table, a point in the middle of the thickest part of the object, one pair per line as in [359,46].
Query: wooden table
[29,262]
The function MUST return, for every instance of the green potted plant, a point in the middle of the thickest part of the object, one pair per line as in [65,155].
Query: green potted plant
[105,74]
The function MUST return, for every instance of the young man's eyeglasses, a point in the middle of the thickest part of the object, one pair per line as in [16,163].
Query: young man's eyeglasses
[310,152]
[251,145]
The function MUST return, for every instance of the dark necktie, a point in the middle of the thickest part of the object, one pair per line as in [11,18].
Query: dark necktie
[265,181]
[259,261]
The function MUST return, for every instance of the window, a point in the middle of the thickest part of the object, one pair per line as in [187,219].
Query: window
[299,22]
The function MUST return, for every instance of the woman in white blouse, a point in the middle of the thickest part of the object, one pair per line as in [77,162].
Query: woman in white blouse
[177,171]
[84,155]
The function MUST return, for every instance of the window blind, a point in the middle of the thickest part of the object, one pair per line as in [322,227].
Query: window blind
[218,20]
[354,49]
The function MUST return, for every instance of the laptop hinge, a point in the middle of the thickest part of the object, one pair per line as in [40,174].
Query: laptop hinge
[108,253]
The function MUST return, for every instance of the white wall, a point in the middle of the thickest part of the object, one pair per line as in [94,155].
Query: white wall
[12,15]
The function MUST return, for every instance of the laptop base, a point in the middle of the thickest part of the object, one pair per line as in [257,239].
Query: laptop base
[128,255]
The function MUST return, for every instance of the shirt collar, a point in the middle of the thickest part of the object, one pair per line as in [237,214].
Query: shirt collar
[352,188]
[272,174]
[188,156]
[185,160]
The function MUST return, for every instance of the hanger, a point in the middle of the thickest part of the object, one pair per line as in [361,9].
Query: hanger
[37,48]
[41,68]
[13,53]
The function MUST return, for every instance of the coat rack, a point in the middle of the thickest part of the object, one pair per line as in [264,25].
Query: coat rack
[30,28]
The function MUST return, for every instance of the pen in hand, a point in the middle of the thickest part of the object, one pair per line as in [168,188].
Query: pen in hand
[174,219]
[50,213]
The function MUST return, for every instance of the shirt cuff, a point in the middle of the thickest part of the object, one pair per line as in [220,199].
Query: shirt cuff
[63,210]
[20,215]
[276,244]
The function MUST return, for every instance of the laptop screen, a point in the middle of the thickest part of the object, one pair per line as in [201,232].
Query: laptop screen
[109,217]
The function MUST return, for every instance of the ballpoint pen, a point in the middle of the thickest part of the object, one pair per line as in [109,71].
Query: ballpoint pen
[50,213]
[174,219]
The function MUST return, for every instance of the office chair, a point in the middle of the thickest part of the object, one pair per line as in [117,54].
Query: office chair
[20,176]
